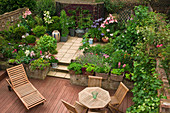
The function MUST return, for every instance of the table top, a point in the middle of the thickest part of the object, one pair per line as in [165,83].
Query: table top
[86,97]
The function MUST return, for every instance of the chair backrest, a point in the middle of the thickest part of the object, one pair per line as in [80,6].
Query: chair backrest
[121,92]
[94,81]
[17,75]
[70,107]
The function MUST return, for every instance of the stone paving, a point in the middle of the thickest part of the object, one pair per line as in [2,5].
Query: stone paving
[69,50]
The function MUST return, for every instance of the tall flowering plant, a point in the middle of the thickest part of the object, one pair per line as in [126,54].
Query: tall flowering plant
[109,26]
[95,29]
[47,18]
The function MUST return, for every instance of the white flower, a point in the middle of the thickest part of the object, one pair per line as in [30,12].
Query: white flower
[32,53]
[108,30]
[42,56]
[144,38]
[137,31]
[111,34]
[123,36]
[22,48]
[26,34]
[20,45]
[23,36]
[108,18]
[27,52]
[18,25]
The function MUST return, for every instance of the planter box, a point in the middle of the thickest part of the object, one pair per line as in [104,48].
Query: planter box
[116,77]
[37,74]
[103,75]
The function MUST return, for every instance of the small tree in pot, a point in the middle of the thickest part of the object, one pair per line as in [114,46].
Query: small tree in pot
[64,26]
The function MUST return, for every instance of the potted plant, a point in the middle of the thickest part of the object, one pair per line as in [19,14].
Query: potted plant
[14,62]
[38,68]
[117,74]
[72,22]
[75,68]
[53,60]
[89,68]
[102,70]
[64,26]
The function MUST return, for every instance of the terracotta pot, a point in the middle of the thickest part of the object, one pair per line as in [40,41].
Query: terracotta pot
[105,40]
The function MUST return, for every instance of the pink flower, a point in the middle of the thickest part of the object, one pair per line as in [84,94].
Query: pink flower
[15,50]
[157,46]
[124,65]
[119,64]
[110,15]
[24,15]
[56,58]
[131,18]
[106,56]
[91,53]
[160,45]
[115,20]
[40,52]
[106,23]
[111,21]
[103,26]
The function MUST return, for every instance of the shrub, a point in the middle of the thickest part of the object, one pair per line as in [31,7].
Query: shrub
[45,5]
[30,39]
[39,64]
[55,25]
[75,67]
[39,30]
[64,24]
[10,5]
[19,31]
[47,44]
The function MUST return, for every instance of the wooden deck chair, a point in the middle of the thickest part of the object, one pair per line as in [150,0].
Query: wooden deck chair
[98,111]
[118,97]
[77,108]
[26,92]
[94,81]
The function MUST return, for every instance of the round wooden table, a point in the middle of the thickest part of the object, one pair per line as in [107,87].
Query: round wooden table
[86,98]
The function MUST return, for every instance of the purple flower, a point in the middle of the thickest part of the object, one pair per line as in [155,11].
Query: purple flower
[9,43]
[97,24]
[102,34]
[94,26]
[93,22]
[87,28]
[100,19]
[99,29]
[96,20]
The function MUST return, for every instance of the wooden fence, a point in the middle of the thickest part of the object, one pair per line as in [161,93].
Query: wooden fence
[10,18]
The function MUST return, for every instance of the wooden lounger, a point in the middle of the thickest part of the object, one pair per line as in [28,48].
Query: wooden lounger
[19,82]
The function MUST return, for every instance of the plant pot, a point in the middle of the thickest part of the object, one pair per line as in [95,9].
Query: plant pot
[56,35]
[72,32]
[37,74]
[95,39]
[54,65]
[103,75]
[71,72]
[105,40]
[80,32]
[90,41]
[116,77]
[64,39]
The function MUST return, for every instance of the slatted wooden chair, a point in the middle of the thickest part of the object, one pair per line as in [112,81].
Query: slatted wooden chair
[94,81]
[26,92]
[98,111]
[118,97]
[77,108]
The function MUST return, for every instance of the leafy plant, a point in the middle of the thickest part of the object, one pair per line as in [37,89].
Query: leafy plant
[39,64]
[55,25]
[89,67]
[103,68]
[30,39]
[14,61]
[47,44]
[117,71]
[11,5]
[39,30]
[45,5]
[64,24]
[53,59]
[75,67]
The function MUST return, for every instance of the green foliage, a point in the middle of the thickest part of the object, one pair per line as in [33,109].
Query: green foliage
[13,61]
[64,24]
[89,67]
[55,25]
[72,19]
[47,44]
[38,20]
[117,71]
[3,42]
[102,68]
[75,67]
[7,50]
[45,5]
[53,59]
[39,30]
[10,5]
[39,64]
[30,39]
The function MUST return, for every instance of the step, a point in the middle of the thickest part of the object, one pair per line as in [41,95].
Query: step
[59,74]
[3,74]
[60,68]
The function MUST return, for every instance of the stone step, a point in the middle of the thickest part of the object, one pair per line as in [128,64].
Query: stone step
[59,74]
[60,68]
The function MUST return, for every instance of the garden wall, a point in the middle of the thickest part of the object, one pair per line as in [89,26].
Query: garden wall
[10,18]
[96,9]
[164,103]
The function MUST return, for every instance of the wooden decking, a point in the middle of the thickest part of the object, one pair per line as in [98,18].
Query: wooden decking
[53,89]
